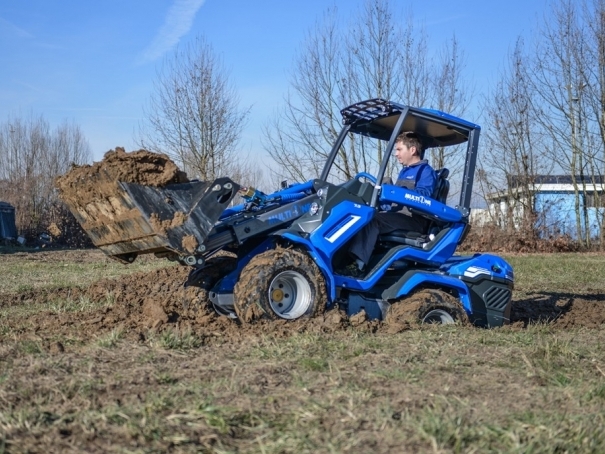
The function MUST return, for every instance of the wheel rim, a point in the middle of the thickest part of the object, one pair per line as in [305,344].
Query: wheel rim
[438,316]
[290,295]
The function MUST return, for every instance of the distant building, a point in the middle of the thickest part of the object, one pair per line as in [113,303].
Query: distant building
[553,201]
[8,229]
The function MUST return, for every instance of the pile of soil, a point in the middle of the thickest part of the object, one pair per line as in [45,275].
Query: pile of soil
[157,301]
[104,209]
[87,183]
[494,239]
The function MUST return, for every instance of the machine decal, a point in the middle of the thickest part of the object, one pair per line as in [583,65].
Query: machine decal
[352,220]
[474,271]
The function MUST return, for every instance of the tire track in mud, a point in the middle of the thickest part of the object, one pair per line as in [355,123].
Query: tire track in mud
[150,301]
[157,300]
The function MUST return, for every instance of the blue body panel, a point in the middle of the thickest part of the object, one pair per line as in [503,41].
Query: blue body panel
[342,223]
[479,265]
[321,217]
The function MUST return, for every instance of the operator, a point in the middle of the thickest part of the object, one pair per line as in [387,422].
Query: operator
[416,175]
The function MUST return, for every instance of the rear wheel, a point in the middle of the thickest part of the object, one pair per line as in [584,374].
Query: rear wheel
[280,284]
[427,306]
[438,316]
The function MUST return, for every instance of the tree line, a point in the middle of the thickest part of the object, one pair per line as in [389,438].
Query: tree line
[32,155]
[544,115]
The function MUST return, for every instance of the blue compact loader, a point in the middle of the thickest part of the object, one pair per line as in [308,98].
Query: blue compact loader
[276,256]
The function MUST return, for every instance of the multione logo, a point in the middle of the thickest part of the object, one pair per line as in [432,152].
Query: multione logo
[292,211]
[419,199]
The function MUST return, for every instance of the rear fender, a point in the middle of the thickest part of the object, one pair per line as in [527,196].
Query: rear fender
[489,265]
[490,280]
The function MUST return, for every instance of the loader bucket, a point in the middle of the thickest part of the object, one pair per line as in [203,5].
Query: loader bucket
[138,219]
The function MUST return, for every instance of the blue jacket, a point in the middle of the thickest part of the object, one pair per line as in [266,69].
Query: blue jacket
[419,177]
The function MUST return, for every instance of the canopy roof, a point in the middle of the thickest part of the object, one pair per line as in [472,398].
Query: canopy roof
[377,118]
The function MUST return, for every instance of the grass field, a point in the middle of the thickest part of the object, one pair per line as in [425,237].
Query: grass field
[23,271]
[451,389]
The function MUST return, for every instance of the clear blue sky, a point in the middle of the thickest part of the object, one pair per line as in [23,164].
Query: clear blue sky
[94,63]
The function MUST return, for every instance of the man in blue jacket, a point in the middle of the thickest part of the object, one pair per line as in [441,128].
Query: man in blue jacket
[416,175]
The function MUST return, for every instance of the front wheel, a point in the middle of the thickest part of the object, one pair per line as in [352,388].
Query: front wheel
[280,284]
[429,306]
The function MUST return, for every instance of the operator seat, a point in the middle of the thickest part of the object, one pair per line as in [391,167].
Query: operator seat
[443,185]
[411,238]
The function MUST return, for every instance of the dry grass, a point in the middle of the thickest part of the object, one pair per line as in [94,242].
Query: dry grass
[569,272]
[436,389]
[432,390]
[25,271]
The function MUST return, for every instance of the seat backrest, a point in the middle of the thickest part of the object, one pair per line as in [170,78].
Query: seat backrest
[443,185]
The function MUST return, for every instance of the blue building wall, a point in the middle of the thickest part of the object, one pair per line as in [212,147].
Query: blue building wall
[557,215]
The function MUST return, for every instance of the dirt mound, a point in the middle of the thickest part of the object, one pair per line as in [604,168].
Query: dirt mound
[494,239]
[88,183]
[157,301]
[560,310]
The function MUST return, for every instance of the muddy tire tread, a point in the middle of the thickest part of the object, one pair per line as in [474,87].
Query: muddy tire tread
[251,291]
[413,308]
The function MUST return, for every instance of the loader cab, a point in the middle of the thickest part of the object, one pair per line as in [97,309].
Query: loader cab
[368,137]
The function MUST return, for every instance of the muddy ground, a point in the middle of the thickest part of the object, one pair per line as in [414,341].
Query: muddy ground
[140,364]
[93,379]
[157,301]
[153,301]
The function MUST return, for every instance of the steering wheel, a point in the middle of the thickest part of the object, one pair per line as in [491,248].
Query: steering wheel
[366,175]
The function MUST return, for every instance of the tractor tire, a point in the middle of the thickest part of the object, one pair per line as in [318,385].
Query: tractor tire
[280,284]
[201,280]
[427,306]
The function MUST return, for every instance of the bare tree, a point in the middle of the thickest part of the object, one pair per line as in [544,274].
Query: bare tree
[548,115]
[194,114]
[379,55]
[32,155]
[569,82]
[513,154]
[296,139]
[451,94]
[591,106]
